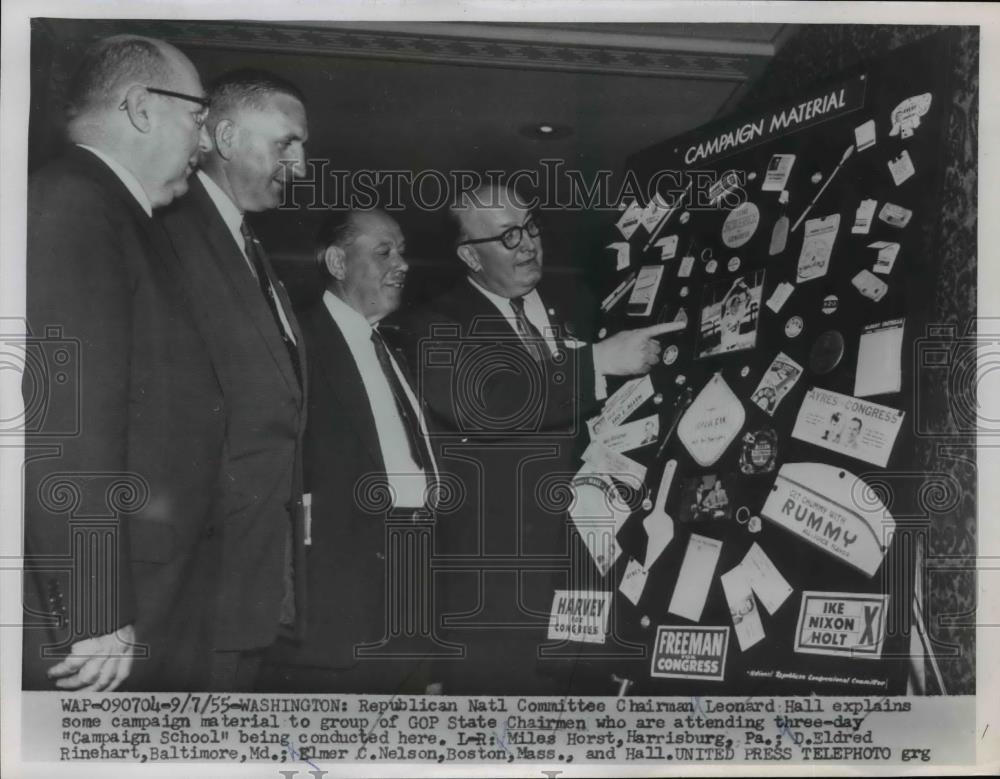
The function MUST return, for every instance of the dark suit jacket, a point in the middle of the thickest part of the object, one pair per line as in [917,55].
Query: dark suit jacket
[260,491]
[124,423]
[346,567]
[478,378]
[520,422]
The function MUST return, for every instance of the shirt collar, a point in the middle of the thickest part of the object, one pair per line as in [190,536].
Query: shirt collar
[231,215]
[125,176]
[502,303]
[354,327]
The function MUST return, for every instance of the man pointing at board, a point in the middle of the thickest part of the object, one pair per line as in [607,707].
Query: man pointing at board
[496,367]
[500,244]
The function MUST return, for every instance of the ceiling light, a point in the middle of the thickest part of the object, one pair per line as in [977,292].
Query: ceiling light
[545,131]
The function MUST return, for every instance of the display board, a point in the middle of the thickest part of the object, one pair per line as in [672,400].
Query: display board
[761,477]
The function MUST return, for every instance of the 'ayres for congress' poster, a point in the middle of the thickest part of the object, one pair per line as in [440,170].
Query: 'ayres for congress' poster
[847,425]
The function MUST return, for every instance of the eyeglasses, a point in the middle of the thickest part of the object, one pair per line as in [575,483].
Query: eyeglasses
[199,118]
[511,237]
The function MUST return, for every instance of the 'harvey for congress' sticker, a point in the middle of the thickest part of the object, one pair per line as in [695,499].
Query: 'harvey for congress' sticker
[690,653]
[579,615]
[842,624]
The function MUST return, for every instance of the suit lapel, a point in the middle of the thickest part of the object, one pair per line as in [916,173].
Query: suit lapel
[286,306]
[391,338]
[165,264]
[556,319]
[482,316]
[98,169]
[237,272]
[148,226]
[338,375]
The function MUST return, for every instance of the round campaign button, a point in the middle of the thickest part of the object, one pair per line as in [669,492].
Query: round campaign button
[684,292]
[754,525]
[830,303]
[645,621]
[657,398]
[681,380]
[602,333]
[734,264]
[740,225]
[758,452]
[745,371]
[816,177]
[712,265]
[752,176]
[670,354]
[793,326]
[826,353]
[684,218]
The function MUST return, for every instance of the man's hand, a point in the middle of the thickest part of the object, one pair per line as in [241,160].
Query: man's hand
[630,352]
[96,664]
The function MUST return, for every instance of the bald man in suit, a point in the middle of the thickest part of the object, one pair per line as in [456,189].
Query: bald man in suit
[119,479]
[498,368]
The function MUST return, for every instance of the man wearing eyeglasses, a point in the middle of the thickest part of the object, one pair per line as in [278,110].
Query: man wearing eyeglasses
[122,464]
[257,129]
[497,368]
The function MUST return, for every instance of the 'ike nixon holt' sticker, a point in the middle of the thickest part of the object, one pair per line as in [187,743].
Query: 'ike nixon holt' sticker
[842,624]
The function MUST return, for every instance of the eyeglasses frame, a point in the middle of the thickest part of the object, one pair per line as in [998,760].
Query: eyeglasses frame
[521,230]
[202,101]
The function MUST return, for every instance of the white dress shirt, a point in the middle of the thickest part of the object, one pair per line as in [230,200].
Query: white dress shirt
[407,481]
[125,176]
[535,312]
[233,218]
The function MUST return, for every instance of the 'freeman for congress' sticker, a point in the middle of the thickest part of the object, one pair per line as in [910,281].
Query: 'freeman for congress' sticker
[579,615]
[841,624]
[690,653]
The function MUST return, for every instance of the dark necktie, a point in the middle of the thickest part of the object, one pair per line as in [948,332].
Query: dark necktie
[256,256]
[419,450]
[532,339]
